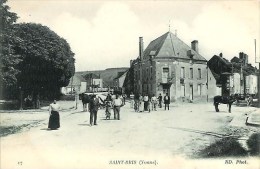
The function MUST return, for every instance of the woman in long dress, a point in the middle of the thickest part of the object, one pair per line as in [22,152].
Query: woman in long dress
[54,120]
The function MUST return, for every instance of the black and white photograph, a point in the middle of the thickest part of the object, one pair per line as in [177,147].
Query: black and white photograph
[135,84]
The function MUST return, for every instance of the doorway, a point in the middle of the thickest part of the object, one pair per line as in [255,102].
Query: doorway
[191,92]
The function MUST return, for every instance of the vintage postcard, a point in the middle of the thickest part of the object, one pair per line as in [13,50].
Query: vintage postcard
[129,84]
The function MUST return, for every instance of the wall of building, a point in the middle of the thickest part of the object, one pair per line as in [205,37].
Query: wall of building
[185,88]
[251,84]
[147,79]
[160,78]
[213,89]
[144,77]
[235,84]
[83,87]
[197,83]
[98,82]
[70,89]
[121,80]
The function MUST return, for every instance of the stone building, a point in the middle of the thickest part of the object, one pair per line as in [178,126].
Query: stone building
[94,82]
[235,77]
[77,84]
[251,84]
[119,82]
[170,66]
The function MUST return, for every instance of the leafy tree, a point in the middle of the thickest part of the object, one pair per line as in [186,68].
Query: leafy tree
[47,60]
[8,59]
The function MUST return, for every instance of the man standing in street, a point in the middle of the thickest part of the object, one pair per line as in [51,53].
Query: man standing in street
[132,100]
[146,99]
[136,104]
[166,101]
[117,103]
[154,102]
[93,109]
[160,100]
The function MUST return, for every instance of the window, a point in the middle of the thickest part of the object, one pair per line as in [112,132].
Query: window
[182,90]
[182,72]
[165,74]
[199,89]
[199,73]
[165,70]
[191,73]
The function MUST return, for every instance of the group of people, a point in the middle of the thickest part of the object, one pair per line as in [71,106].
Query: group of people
[112,101]
[142,103]
[91,103]
[30,102]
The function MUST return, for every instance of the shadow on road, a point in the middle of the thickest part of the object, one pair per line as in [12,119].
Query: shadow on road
[203,132]
[47,129]
[108,119]
[217,112]
[84,124]
[79,112]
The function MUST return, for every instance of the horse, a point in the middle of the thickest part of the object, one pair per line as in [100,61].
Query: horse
[85,100]
[224,100]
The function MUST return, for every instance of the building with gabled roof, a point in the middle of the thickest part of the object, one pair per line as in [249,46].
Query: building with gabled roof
[119,82]
[168,65]
[77,84]
[235,77]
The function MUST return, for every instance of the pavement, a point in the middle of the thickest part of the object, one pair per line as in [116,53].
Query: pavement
[159,139]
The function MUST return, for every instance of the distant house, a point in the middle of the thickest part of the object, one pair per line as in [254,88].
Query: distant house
[235,77]
[251,84]
[107,76]
[119,82]
[214,88]
[220,69]
[94,82]
[235,86]
[77,84]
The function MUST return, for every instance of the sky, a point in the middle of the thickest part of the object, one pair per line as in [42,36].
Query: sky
[105,34]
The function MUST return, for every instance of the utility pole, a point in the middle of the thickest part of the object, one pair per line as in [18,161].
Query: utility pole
[258,81]
[232,76]
[241,78]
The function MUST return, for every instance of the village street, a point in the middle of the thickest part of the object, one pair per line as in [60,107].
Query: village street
[164,138]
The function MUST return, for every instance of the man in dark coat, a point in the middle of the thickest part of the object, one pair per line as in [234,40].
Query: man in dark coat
[93,109]
[160,100]
[166,101]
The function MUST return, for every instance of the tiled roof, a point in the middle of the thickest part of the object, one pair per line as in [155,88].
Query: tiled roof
[168,45]
[91,75]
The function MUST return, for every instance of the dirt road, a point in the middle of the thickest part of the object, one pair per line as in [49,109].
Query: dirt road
[159,139]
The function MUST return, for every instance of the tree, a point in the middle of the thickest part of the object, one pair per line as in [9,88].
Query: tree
[8,60]
[47,60]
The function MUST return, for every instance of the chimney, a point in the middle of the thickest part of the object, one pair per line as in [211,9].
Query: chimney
[221,55]
[243,57]
[194,46]
[131,62]
[141,48]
